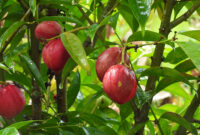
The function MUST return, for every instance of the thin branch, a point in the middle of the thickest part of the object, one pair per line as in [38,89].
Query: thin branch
[85,15]
[190,112]
[156,120]
[23,4]
[185,16]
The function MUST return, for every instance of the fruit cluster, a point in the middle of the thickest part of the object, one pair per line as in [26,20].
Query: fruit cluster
[54,53]
[11,101]
[119,82]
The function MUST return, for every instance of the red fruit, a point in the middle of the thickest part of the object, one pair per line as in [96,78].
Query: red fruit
[47,29]
[55,55]
[11,101]
[108,58]
[119,83]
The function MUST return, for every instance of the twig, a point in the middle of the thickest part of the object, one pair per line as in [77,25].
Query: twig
[185,16]
[156,120]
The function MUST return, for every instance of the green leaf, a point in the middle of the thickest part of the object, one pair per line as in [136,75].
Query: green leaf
[20,78]
[65,2]
[21,124]
[2,66]
[141,9]
[192,50]
[127,14]
[69,66]
[92,30]
[175,56]
[142,97]
[151,128]
[92,131]
[107,130]
[193,34]
[61,19]
[149,36]
[185,66]
[125,110]
[9,131]
[6,35]
[73,90]
[166,72]
[136,128]
[32,4]
[33,70]
[74,47]
[180,120]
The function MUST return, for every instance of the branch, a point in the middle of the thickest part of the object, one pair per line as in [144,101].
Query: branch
[185,16]
[156,61]
[23,4]
[190,112]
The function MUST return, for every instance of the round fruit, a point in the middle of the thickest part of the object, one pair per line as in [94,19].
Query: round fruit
[55,55]
[11,101]
[119,83]
[108,58]
[47,29]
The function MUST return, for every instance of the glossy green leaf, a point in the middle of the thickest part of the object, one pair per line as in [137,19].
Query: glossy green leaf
[175,56]
[107,130]
[9,131]
[74,47]
[151,128]
[61,19]
[125,110]
[193,34]
[20,78]
[2,66]
[33,70]
[21,124]
[165,72]
[6,35]
[92,131]
[127,14]
[180,120]
[73,90]
[192,50]
[149,36]
[136,128]
[92,30]
[185,66]
[141,9]
[33,6]
[69,66]
[65,2]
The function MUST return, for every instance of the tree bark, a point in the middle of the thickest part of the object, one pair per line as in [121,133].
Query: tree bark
[35,54]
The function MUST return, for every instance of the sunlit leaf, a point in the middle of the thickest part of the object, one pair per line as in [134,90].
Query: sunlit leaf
[141,9]
[6,35]
[193,34]
[180,120]
[75,48]
[33,70]
[192,50]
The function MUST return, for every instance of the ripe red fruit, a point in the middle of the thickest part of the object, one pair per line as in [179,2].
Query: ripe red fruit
[55,55]
[47,29]
[120,84]
[11,101]
[108,58]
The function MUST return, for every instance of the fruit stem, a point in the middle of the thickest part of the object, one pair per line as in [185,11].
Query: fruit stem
[121,43]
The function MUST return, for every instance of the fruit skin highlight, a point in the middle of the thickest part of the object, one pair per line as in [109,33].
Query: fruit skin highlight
[47,29]
[119,83]
[55,55]
[12,101]
[108,58]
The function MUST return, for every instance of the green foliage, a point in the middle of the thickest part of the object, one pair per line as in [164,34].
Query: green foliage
[88,28]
